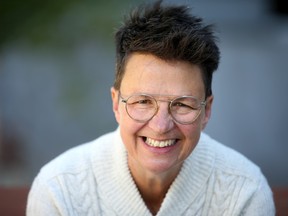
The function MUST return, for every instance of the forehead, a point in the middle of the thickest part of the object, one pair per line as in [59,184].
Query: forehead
[146,73]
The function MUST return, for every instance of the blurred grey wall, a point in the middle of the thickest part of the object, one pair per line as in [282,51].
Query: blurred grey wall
[55,94]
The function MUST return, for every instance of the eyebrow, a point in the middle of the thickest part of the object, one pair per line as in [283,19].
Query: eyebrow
[156,96]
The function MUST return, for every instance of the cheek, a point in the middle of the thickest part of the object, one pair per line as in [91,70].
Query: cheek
[129,134]
[121,115]
[192,135]
[128,127]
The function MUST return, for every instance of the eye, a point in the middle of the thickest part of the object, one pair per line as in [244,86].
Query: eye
[144,101]
[181,105]
[141,101]
[184,105]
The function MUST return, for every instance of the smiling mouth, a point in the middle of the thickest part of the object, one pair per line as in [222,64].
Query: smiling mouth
[159,143]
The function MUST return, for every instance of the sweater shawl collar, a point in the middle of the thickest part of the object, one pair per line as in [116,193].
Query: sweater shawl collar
[118,190]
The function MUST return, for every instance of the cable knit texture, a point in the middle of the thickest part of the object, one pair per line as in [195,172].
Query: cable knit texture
[94,179]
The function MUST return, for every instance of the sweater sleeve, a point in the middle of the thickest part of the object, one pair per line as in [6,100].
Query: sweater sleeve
[261,202]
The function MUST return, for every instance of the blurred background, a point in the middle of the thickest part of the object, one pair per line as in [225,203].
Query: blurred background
[57,67]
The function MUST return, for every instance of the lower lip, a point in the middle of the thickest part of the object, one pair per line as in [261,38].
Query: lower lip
[160,150]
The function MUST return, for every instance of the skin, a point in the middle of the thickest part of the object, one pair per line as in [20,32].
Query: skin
[154,169]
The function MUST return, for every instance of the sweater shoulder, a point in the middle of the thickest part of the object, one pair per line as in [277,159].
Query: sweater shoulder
[230,161]
[77,159]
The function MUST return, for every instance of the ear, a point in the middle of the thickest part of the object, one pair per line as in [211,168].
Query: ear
[207,111]
[115,103]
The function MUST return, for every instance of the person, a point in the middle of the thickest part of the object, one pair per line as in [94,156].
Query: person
[158,161]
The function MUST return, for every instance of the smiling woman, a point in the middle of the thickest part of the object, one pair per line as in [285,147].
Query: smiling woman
[159,161]
[161,126]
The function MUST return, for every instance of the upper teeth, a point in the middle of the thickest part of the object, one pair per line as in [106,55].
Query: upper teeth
[157,143]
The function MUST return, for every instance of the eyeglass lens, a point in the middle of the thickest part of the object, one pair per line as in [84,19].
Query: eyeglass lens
[142,108]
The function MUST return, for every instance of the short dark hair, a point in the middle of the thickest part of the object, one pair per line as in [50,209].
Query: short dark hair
[170,33]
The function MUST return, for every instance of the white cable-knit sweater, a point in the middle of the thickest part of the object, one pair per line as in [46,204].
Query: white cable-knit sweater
[94,179]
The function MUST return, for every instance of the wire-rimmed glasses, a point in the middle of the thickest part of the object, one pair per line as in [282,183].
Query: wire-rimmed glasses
[143,107]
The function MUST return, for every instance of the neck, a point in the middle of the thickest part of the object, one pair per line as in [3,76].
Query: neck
[153,186]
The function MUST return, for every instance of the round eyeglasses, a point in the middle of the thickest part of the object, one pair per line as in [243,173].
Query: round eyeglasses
[143,107]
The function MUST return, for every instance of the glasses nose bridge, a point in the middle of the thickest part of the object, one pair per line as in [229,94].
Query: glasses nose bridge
[169,102]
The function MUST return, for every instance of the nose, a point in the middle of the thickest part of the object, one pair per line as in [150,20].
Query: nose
[162,121]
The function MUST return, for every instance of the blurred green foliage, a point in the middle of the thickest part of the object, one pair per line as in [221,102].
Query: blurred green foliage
[59,21]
